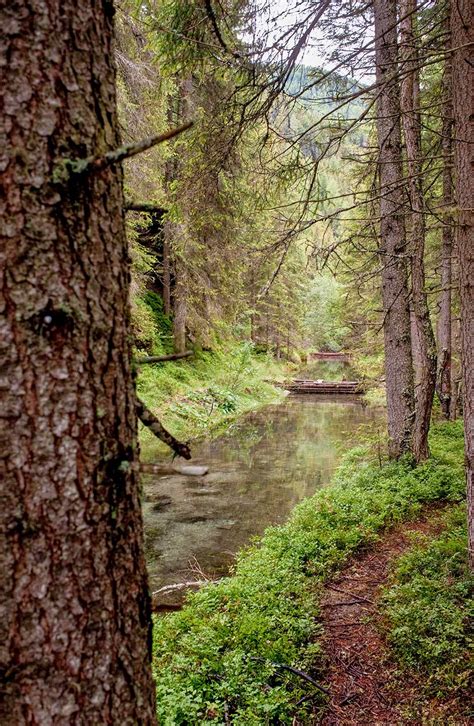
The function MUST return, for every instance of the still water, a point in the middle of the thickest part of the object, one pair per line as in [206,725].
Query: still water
[264,465]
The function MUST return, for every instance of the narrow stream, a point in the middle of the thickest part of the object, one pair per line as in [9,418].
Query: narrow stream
[258,471]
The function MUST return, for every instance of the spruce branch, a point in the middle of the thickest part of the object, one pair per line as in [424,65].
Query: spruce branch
[70,167]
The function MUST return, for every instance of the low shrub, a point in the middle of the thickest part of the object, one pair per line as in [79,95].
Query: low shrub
[429,607]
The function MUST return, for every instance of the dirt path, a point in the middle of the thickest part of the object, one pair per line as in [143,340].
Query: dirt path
[366,689]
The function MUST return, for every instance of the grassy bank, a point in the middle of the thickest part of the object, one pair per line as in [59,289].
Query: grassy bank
[215,661]
[200,395]
[428,607]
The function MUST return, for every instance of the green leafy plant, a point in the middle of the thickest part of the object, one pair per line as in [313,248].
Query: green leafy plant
[429,606]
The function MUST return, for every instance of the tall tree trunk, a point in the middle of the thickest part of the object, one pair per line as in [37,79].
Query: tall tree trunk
[170,176]
[395,296]
[462,33]
[166,269]
[179,307]
[444,376]
[176,235]
[425,375]
[75,604]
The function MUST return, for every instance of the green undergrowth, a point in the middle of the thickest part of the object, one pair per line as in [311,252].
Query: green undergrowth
[369,368]
[214,661]
[200,395]
[429,607]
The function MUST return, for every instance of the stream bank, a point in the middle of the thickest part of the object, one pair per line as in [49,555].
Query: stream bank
[264,464]
[200,396]
[233,654]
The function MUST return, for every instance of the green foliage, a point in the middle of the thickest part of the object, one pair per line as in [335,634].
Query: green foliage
[203,393]
[150,326]
[429,606]
[323,314]
[204,656]
[145,334]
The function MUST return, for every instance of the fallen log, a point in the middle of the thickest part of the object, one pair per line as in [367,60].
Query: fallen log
[180,586]
[163,358]
[322,355]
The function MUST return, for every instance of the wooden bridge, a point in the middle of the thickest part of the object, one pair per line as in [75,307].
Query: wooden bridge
[300,385]
[342,357]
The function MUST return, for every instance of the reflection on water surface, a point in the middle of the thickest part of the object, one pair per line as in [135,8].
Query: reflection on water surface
[258,471]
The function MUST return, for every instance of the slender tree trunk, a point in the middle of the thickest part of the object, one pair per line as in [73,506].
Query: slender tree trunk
[395,296]
[179,307]
[456,372]
[170,177]
[176,233]
[75,605]
[462,33]
[166,270]
[425,375]
[445,303]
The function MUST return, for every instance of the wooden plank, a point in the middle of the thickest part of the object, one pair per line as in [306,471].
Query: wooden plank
[301,385]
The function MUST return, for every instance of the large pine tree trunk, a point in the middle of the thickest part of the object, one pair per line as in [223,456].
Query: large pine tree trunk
[393,251]
[462,33]
[444,375]
[425,360]
[75,611]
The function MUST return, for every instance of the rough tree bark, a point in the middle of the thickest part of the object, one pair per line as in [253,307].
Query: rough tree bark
[462,34]
[426,357]
[75,607]
[393,252]
[444,375]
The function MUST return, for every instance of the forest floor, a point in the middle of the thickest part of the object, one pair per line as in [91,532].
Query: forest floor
[366,683]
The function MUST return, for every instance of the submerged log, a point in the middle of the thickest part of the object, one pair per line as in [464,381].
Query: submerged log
[167,469]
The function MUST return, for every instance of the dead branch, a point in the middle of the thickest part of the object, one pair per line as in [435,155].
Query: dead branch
[351,594]
[151,422]
[295,671]
[180,586]
[70,167]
